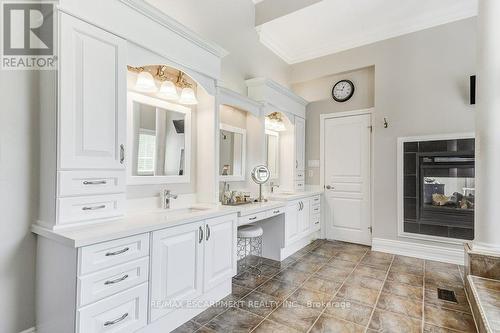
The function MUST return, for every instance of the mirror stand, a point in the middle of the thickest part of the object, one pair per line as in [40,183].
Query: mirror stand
[260,175]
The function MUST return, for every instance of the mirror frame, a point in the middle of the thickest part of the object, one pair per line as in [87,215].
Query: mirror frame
[275,134]
[243,132]
[157,103]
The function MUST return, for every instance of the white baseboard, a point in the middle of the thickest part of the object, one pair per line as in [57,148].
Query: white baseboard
[422,251]
[29,330]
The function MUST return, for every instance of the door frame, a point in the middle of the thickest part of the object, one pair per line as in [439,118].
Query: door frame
[323,118]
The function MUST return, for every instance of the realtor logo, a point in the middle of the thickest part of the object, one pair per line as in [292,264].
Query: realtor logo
[28,35]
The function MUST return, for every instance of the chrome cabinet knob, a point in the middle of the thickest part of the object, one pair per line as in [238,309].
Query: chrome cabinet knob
[328,187]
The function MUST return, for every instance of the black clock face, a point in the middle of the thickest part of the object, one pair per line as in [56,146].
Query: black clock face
[343,90]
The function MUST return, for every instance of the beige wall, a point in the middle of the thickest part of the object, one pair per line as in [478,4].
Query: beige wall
[421,86]
[319,92]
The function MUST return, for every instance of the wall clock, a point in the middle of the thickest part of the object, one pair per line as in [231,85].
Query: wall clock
[343,90]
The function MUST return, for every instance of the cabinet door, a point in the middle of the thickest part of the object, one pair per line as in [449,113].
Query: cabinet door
[304,216]
[220,250]
[300,142]
[292,221]
[176,268]
[92,97]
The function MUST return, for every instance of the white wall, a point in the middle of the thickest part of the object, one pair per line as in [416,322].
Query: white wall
[229,23]
[421,86]
[19,160]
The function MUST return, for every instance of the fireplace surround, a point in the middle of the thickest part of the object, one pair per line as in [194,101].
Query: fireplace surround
[439,188]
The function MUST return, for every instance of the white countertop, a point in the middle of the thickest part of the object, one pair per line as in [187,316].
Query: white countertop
[288,196]
[148,221]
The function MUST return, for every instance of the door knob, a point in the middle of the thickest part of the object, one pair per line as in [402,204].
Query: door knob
[328,187]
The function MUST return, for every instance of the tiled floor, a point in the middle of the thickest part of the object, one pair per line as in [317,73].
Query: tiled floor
[341,287]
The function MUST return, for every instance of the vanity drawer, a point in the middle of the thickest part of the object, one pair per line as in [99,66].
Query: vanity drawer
[299,185]
[316,200]
[80,209]
[300,175]
[71,183]
[107,254]
[252,218]
[275,211]
[99,285]
[316,222]
[125,312]
[315,210]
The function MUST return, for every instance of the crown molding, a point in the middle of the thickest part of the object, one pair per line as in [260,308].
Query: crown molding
[261,81]
[459,12]
[163,19]
[234,99]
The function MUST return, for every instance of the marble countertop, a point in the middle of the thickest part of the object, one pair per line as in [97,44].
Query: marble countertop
[147,221]
[288,196]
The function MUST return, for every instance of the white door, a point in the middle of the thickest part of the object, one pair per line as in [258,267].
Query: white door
[347,142]
[176,267]
[292,221]
[300,142]
[92,97]
[220,250]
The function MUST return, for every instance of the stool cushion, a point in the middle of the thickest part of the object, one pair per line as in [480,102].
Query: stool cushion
[250,231]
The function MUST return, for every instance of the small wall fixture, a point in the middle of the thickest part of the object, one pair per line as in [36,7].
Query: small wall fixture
[145,82]
[168,90]
[274,122]
[188,97]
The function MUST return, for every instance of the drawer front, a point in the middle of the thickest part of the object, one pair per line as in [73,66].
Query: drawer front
[315,209]
[82,209]
[108,254]
[96,286]
[275,211]
[300,175]
[125,312]
[72,183]
[316,200]
[316,222]
[299,185]
[252,218]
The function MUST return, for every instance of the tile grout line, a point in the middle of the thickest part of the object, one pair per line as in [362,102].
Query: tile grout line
[337,291]
[423,298]
[380,293]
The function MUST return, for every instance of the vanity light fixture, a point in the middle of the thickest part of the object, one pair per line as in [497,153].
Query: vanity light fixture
[145,82]
[188,97]
[274,122]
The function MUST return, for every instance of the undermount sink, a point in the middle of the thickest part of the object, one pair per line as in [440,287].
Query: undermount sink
[181,211]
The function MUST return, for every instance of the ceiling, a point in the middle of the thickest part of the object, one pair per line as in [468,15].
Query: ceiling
[331,26]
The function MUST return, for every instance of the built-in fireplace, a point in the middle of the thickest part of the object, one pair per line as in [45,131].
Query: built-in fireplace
[439,188]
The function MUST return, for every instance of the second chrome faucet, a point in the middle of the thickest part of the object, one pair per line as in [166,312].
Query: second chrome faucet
[166,196]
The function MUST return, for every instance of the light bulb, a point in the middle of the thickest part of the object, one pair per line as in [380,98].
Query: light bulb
[168,90]
[188,97]
[275,125]
[145,82]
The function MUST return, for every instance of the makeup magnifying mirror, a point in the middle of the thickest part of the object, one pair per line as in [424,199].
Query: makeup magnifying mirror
[260,175]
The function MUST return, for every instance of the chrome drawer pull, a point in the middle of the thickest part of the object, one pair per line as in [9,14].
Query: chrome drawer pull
[252,218]
[208,232]
[109,254]
[116,321]
[200,239]
[94,207]
[95,182]
[276,212]
[117,280]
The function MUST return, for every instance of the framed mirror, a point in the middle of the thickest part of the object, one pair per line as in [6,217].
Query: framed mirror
[159,141]
[273,153]
[232,153]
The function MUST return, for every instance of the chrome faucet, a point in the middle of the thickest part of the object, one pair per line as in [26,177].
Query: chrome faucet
[166,196]
[273,186]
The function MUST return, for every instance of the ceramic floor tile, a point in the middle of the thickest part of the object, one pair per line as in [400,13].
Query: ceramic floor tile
[336,262]
[211,312]
[441,317]
[259,303]
[428,328]
[277,288]
[404,290]
[310,298]
[268,326]
[269,271]
[328,324]
[292,275]
[431,265]
[350,256]
[370,272]
[364,281]
[402,305]
[431,298]
[359,294]
[390,322]
[451,278]
[408,269]
[338,274]
[234,320]
[306,266]
[377,260]
[322,285]
[239,291]
[350,311]
[409,261]
[188,327]
[412,280]
[249,280]
[295,315]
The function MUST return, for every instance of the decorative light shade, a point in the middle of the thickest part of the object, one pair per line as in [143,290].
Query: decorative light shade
[274,124]
[145,82]
[188,97]
[168,90]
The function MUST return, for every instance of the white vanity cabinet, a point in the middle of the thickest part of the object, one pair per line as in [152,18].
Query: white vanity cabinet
[92,97]
[300,156]
[302,217]
[190,260]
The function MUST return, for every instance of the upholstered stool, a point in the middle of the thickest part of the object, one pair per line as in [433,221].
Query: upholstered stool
[249,243]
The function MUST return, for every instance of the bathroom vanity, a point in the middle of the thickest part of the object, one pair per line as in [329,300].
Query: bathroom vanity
[126,111]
